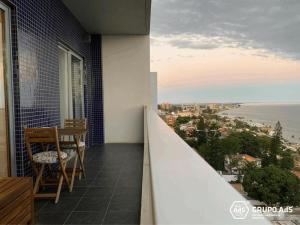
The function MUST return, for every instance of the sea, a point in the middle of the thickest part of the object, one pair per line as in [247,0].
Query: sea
[269,114]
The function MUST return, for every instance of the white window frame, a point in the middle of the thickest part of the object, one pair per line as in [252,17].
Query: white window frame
[71,54]
[10,91]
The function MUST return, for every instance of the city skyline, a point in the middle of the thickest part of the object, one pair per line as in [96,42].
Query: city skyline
[217,51]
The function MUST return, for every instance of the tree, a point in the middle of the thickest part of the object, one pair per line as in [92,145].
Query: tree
[181,133]
[203,150]
[250,144]
[264,143]
[191,142]
[249,167]
[276,145]
[287,160]
[182,119]
[216,153]
[234,163]
[240,124]
[272,185]
[231,144]
[201,131]
[213,153]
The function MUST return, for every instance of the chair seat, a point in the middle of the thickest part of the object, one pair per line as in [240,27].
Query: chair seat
[48,157]
[70,152]
[68,146]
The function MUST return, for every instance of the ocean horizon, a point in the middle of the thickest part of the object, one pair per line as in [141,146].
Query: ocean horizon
[288,114]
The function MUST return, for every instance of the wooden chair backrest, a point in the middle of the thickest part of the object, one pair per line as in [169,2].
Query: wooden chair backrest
[75,123]
[43,136]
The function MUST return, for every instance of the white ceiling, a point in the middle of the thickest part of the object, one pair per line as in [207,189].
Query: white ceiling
[112,17]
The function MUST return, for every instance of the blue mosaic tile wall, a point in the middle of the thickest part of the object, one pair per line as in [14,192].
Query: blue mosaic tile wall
[96,82]
[37,28]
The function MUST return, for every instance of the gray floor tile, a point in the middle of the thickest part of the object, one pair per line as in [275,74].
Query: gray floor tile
[92,204]
[83,218]
[76,193]
[113,185]
[98,192]
[121,217]
[125,202]
[64,205]
[39,204]
[51,218]
[104,182]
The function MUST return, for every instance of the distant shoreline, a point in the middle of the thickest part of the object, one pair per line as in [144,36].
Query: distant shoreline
[289,122]
[271,103]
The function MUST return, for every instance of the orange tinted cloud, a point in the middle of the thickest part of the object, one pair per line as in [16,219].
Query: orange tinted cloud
[220,66]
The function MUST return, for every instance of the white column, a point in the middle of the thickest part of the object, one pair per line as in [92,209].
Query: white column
[126,84]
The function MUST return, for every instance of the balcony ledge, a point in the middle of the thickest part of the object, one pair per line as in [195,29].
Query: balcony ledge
[185,189]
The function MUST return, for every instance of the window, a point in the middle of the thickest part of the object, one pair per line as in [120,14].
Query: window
[71,84]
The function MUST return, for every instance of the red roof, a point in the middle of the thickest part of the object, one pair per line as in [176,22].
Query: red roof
[248,158]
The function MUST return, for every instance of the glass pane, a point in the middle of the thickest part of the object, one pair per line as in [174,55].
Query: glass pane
[64,86]
[77,95]
[3,108]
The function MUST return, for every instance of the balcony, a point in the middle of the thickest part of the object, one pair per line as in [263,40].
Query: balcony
[162,182]
[110,194]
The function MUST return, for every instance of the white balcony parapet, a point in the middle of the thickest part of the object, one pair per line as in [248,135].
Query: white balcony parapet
[186,189]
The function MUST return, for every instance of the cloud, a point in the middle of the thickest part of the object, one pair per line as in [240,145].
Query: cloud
[185,56]
[192,44]
[266,24]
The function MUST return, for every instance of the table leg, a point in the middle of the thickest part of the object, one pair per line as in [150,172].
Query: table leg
[79,156]
[74,172]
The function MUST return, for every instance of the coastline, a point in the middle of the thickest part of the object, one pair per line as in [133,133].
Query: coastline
[290,137]
[287,143]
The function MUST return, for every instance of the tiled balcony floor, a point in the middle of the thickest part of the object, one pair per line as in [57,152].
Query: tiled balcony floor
[110,194]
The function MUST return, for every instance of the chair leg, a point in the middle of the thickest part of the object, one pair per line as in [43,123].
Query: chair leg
[82,170]
[63,170]
[74,172]
[60,183]
[38,179]
[82,157]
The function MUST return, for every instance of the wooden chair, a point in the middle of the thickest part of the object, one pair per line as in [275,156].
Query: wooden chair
[45,137]
[77,124]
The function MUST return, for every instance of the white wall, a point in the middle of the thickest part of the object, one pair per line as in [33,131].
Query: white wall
[126,85]
[153,90]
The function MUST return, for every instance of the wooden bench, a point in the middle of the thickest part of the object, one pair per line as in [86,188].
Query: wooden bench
[16,200]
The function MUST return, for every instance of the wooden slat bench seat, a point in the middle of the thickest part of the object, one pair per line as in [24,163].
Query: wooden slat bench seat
[16,201]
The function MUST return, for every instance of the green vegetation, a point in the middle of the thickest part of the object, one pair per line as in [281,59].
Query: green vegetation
[181,133]
[287,160]
[182,120]
[201,132]
[213,152]
[275,147]
[272,185]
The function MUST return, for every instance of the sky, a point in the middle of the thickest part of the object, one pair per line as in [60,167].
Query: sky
[226,50]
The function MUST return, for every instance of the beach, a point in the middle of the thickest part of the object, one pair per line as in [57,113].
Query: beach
[270,114]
